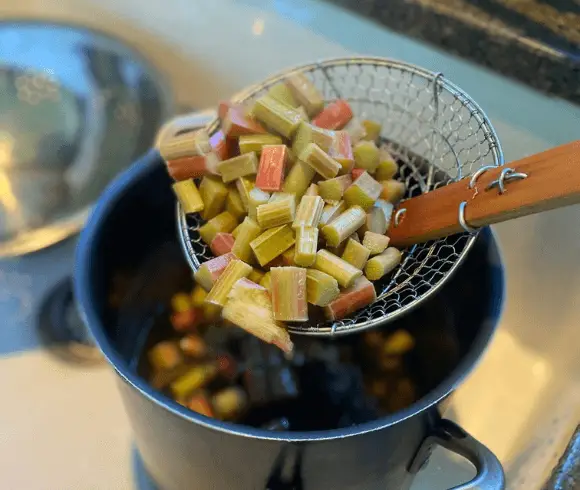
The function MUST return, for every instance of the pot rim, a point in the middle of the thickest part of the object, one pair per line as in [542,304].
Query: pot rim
[82,285]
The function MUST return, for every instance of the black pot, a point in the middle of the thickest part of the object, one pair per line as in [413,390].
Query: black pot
[121,278]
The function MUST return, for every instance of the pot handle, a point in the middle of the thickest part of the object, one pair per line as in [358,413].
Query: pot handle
[490,475]
[184,123]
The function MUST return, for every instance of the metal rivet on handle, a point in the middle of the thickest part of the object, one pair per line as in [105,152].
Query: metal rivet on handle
[506,176]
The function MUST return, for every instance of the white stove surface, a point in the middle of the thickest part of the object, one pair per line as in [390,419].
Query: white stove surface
[63,427]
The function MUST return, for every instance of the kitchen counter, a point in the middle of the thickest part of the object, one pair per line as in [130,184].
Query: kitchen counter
[63,427]
[535,42]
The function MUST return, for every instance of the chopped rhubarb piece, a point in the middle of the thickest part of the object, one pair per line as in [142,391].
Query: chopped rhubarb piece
[320,161]
[222,223]
[223,108]
[272,243]
[213,194]
[392,191]
[382,264]
[209,272]
[165,355]
[341,151]
[249,230]
[289,294]
[344,225]
[251,309]
[334,116]
[236,123]
[306,246]
[359,295]
[222,243]
[188,196]
[240,166]
[356,254]
[277,116]
[230,402]
[272,166]
[222,146]
[375,242]
[277,213]
[332,190]
[366,156]
[193,346]
[235,270]
[197,377]
[193,167]
[255,142]
[305,93]
[321,288]
[188,144]
[186,321]
[363,192]
[200,404]
[341,270]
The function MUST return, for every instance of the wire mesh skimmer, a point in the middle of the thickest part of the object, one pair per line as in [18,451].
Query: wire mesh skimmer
[437,133]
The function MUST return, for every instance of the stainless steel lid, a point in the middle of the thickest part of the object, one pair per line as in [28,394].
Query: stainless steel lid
[76,107]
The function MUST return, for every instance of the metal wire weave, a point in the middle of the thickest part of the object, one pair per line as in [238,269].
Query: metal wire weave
[437,133]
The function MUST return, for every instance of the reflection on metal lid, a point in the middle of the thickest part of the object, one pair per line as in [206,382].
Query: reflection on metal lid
[76,107]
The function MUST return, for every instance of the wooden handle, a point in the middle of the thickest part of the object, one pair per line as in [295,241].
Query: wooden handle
[553,181]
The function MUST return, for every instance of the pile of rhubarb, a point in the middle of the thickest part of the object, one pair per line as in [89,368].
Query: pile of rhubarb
[227,374]
[297,200]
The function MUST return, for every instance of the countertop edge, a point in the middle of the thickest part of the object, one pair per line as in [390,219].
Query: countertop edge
[566,475]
